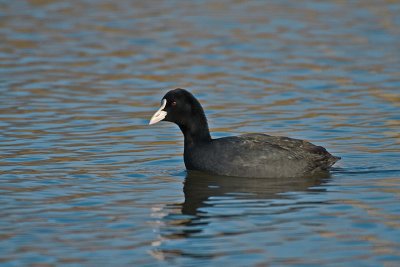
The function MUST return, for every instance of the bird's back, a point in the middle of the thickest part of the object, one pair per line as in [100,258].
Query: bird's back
[258,155]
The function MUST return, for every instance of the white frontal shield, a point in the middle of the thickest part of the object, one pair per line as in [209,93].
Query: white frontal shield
[160,113]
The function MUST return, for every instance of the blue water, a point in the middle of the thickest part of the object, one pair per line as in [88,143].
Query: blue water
[84,181]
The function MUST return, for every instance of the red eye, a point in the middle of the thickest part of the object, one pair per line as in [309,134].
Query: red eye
[173,103]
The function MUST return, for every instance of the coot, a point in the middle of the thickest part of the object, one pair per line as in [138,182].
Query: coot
[248,155]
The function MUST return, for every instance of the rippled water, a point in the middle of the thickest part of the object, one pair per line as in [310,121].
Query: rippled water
[85,180]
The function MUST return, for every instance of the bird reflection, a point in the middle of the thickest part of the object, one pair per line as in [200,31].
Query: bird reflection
[204,191]
[200,187]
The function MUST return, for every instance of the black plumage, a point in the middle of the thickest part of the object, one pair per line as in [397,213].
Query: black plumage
[248,155]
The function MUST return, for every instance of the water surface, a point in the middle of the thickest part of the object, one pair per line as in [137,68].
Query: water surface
[85,180]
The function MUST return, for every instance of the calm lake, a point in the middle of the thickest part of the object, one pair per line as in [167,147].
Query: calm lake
[84,181]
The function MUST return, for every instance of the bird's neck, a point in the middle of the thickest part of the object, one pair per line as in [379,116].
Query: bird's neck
[196,133]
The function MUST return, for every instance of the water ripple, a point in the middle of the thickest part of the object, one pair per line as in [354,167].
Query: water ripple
[85,181]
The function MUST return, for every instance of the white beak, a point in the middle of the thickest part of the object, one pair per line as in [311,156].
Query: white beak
[160,113]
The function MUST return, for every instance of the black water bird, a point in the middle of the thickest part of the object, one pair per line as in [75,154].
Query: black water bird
[248,155]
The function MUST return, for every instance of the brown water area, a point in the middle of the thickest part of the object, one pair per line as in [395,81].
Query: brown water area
[84,181]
